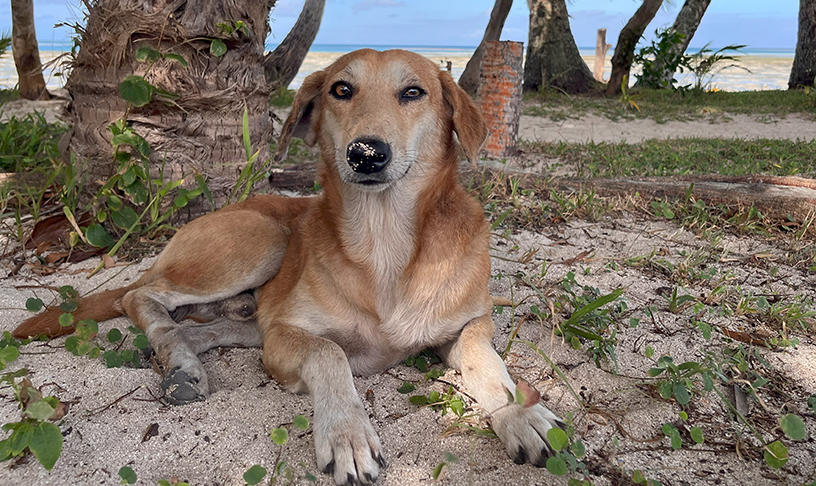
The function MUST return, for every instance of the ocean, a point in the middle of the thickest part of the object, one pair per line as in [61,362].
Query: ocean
[760,69]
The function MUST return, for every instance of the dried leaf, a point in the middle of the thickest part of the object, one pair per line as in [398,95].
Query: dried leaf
[531,395]
[152,430]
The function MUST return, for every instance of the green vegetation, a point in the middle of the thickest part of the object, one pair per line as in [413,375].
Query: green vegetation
[668,105]
[684,156]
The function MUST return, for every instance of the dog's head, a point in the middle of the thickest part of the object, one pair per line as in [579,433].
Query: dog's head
[380,114]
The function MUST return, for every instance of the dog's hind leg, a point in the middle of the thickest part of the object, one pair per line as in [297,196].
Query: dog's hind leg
[177,346]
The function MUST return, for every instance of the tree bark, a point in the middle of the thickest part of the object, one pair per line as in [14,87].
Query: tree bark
[200,130]
[26,51]
[282,64]
[627,41]
[469,80]
[552,55]
[686,23]
[804,61]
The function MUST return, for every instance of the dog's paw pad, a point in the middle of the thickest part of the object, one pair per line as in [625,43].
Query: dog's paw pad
[180,388]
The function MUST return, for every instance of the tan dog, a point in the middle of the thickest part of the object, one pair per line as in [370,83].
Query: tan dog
[390,259]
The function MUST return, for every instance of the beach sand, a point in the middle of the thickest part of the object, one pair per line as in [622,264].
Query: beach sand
[763,72]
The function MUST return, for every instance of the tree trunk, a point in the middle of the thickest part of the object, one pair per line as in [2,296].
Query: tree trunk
[282,64]
[552,55]
[627,41]
[198,132]
[469,80]
[26,51]
[686,23]
[804,61]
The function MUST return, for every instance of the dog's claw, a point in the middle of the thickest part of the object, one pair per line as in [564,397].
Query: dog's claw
[329,469]
[521,457]
[180,388]
[380,460]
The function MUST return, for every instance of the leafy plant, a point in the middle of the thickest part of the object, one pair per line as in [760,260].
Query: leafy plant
[705,64]
[34,432]
[280,436]
[663,56]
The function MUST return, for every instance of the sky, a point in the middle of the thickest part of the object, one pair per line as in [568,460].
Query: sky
[756,23]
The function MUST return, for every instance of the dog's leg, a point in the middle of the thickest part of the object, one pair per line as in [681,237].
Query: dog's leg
[346,444]
[177,345]
[523,430]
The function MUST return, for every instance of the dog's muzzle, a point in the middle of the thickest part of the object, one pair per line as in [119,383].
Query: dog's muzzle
[368,155]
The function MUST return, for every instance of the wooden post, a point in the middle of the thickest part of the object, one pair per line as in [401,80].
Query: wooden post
[600,54]
[500,96]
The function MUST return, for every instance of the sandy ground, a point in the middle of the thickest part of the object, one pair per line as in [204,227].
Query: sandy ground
[214,442]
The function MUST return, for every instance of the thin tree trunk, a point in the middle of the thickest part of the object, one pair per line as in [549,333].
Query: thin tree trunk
[627,41]
[282,64]
[469,80]
[804,61]
[686,23]
[26,51]
[552,55]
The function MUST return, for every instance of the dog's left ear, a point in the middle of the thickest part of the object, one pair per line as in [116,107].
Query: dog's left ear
[301,121]
[468,122]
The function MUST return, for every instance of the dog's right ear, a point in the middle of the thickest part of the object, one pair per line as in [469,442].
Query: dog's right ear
[301,121]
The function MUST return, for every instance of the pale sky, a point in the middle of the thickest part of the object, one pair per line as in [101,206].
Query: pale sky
[757,23]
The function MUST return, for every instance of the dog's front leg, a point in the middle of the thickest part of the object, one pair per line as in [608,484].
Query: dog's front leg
[523,430]
[346,445]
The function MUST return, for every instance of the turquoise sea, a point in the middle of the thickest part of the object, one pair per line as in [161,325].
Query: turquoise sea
[761,68]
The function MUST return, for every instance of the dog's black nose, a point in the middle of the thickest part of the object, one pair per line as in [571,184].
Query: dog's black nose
[368,155]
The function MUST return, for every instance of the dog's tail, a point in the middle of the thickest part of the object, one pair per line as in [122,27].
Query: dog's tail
[99,307]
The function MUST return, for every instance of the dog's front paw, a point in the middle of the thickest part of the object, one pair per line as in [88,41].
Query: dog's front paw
[347,446]
[524,432]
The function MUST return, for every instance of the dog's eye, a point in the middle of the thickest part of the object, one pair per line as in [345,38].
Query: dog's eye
[341,90]
[412,93]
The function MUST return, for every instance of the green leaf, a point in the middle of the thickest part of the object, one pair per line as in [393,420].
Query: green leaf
[127,475]
[218,48]
[681,394]
[124,217]
[438,470]
[649,352]
[776,455]
[556,465]
[665,389]
[34,304]
[421,364]
[21,438]
[136,90]
[279,435]
[557,438]
[9,354]
[98,237]
[245,133]
[68,306]
[114,336]
[140,342]
[72,344]
[301,422]
[676,441]
[638,477]
[418,400]
[176,57]
[47,444]
[793,426]
[406,387]
[254,474]
[40,410]
[147,53]
[578,449]
[66,320]
[112,359]
[179,202]
[697,435]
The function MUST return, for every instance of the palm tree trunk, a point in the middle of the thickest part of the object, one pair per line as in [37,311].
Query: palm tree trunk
[469,80]
[552,55]
[627,40]
[804,61]
[686,23]
[198,132]
[26,51]
[282,64]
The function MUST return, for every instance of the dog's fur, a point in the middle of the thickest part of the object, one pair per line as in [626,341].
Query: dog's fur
[384,263]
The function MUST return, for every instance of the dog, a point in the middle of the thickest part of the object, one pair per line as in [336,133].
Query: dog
[390,259]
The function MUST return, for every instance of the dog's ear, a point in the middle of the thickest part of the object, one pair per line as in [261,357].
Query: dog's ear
[301,120]
[468,122]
